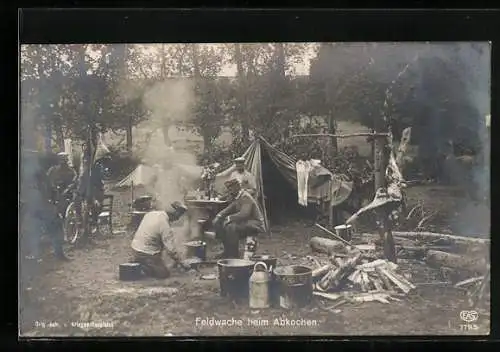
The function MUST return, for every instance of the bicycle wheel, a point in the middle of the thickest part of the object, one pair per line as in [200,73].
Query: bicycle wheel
[71,227]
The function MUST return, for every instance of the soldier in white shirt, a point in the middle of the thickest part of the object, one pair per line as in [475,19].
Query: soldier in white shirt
[244,177]
[154,235]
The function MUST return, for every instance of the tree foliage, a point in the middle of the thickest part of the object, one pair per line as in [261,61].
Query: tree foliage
[435,89]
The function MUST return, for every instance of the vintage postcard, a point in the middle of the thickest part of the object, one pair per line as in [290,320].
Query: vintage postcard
[269,189]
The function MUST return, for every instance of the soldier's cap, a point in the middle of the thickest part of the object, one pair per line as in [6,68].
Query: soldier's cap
[239,160]
[231,183]
[178,206]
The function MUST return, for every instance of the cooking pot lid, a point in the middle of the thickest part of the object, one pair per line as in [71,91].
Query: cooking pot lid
[235,262]
[292,270]
[130,265]
[195,243]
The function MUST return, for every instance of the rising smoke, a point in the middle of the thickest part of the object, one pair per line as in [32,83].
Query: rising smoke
[170,104]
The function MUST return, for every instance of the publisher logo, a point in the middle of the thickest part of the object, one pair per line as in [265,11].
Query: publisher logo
[469,316]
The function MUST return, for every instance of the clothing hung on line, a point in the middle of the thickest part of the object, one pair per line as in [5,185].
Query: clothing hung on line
[303,168]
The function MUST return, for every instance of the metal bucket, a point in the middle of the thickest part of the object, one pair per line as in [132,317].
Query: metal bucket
[344,231]
[294,286]
[271,263]
[268,259]
[130,272]
[234,275]
[196,249]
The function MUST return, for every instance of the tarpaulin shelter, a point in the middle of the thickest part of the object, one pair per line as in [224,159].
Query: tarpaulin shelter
[145,175]
[276,179]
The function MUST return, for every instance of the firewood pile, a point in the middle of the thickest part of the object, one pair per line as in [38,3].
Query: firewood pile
[358,279]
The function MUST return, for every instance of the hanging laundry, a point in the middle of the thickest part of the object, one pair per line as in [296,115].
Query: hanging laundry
[68,148]
[303,168]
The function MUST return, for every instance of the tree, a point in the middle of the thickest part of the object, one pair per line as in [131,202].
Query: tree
[211,94]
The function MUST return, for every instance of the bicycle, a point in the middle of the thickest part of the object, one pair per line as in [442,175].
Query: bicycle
[77,224]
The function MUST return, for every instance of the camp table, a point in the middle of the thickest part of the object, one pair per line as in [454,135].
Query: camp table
[208,208]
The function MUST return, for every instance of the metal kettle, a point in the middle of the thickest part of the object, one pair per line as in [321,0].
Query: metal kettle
[259,287]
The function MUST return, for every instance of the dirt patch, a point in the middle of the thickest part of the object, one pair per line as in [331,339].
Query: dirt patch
[85,298]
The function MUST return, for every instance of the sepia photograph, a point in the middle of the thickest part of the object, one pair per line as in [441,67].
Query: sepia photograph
[254,189]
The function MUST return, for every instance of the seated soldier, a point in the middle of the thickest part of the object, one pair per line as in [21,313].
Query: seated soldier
[241,218]
[154,235]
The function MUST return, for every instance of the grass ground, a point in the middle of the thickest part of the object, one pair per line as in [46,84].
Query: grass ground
[56,298]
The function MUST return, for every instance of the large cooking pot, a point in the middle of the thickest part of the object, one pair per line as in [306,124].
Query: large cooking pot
[270,261]
[143,203]
[295,286]
[234,275]
[196,249]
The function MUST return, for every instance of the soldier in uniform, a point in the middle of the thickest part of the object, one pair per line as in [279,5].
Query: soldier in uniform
[244,177]
[39,215]
[61,178]
[241,218]
[154,235]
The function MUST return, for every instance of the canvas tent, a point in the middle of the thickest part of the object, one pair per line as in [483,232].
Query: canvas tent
[145,175]
[276,178]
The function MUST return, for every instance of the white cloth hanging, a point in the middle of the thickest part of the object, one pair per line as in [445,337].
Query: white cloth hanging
[68,148]
[303,168]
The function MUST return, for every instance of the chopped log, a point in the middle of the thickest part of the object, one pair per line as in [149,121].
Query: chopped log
[340,255]
[385,280]
[469,281]
[379,286]
[455,261]
[366,247]
[423,249]
[362,282]
[323,283]
[329,296]
[402,279]
[338,274]
[376,263]
[319,272]
[402,286]
[339,261]
[429,235]
[334,235]
[366,281]
[370,297]
[317,287]
[325,245]
[356,297]
[355,277]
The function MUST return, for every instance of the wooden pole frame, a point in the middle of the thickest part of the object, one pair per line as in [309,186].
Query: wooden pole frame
[381,159]
[360,134]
